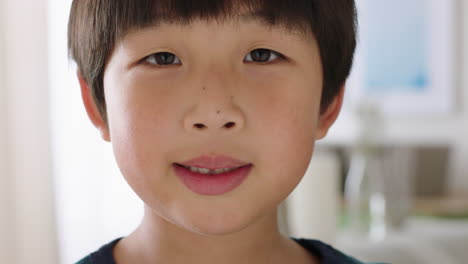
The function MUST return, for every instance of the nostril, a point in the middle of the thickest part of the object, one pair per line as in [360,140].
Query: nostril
[230,124]
[199,126]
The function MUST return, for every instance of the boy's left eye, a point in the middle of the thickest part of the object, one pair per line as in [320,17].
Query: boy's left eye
[263,55]
[162,58]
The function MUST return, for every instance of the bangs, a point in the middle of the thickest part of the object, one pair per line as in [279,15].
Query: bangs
[292,15]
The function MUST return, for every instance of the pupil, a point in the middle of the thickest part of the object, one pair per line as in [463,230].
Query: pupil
[261,55]
[164,58]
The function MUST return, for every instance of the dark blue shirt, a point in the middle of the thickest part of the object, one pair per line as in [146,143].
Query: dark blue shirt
[325,253]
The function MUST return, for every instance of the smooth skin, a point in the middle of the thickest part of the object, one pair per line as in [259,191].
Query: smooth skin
[212,98]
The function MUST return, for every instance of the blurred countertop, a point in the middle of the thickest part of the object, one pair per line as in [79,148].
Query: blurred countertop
[421,239]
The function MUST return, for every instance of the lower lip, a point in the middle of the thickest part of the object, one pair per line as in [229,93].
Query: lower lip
[207,184]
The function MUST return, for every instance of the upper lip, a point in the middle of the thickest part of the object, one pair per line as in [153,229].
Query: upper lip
[214,162]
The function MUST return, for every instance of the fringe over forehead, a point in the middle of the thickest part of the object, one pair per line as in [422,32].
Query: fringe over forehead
[96,25]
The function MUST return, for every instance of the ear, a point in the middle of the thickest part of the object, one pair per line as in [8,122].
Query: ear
[329,117]
[92,110]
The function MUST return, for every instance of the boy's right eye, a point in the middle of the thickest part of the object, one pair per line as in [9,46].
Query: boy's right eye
[162,58]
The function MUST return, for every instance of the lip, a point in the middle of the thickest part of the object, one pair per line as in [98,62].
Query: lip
[214,162]
[216,184]
[207,184]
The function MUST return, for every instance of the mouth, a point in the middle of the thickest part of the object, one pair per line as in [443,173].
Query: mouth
[206,171]
[205,181]
[213,162]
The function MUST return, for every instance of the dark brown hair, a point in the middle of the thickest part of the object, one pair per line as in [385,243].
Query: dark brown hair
[96,25]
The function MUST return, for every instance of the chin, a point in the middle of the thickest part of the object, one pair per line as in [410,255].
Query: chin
[217,224]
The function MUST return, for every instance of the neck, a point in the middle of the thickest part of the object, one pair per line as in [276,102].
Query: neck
[158,241]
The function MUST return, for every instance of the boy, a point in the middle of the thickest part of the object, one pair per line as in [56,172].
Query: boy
[212,108]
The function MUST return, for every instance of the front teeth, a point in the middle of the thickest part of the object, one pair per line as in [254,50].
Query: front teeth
[208,171]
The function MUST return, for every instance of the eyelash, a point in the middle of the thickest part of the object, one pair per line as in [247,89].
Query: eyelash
[274,54]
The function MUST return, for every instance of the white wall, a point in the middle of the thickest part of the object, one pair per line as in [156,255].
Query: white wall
[26,174]
[7,252]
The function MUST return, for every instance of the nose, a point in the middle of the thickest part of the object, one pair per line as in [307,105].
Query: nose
[215,110]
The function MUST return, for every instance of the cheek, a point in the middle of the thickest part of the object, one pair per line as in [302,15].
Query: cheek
[138,112]
[289,107]
[285,133]
[139,131]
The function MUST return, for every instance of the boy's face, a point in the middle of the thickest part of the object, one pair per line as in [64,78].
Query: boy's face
[161,115]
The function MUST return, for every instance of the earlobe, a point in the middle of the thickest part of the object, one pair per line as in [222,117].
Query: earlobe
[329,117]
[92,110]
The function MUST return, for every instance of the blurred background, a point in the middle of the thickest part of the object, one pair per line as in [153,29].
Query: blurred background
[390,180]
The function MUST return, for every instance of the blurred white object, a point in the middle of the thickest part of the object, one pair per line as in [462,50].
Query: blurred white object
[27,233]
[364,186]
[379,180]
[313,205]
